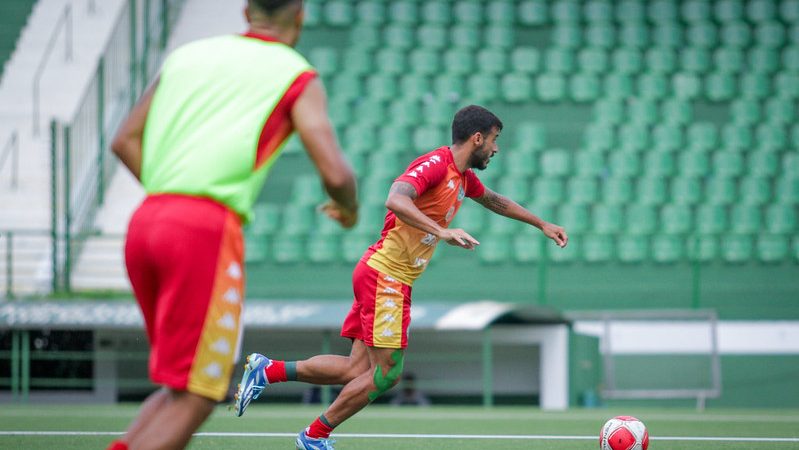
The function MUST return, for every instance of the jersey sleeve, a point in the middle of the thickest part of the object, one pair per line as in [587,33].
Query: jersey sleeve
[425,173]
[474,187]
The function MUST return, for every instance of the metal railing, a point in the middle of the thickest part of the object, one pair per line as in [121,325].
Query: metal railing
[65,22]
[11,150]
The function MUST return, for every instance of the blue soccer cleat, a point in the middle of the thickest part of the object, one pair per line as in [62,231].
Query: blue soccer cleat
[307,443]
[252,383]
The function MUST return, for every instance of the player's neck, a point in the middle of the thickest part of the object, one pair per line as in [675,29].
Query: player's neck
[266,30]
[461,157]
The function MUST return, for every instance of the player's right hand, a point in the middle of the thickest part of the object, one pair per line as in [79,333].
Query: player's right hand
[345,217]
[458,238]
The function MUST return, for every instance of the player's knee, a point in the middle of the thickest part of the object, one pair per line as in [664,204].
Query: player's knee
[388,374]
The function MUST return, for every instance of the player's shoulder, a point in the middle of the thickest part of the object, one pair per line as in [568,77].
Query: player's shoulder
[437,156]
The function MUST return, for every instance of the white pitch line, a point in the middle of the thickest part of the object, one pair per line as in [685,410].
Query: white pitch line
[531,437]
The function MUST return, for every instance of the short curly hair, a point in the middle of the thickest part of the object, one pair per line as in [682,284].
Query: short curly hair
[271,6]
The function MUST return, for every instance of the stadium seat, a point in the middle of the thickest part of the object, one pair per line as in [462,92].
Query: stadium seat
[404,12]
[695,11]
[781,219]
[429,137]
[702,136]
[608,111]
[771,136]
[432,36]
[266,219]
[321,249]
[617,191]
[597,248]
[519,162]
[686,85]
[787,190]
[703,248]
[695,60]
[458,61]
[745,112]
[755,85]
[763,60]
[547,191]
[772,248]
[601,35]
[628,61]
[574,217]
[436,12]
[307,190]
[405,112]
[359,139]
[550,87]
[565,11]
[643,111]
[763,163]
[668,136]
[727,164]
[483,87]
[566,255]
[424,61]
[525,60]
[527,248]
[287,249]
[492,62]
[399,36]
[736,249]
[729,60]
[599,136]
[555,163]
[371,110]
[345,88]
[702,35]
[339,13]
[598,11]
[582,190]
[789,11]
[728,10]
[694,164]
[617,85]
[391,61]
[780,111]
[755,190]
[363,38]
[653,86]
[517,87]
[745,219]
[667,249]
[632,249]
[786,85]
[651,191]
[676,219]
[720,86]
[567,36]
[634,136]
[468,12]
[515,187]
[668,35]
[371,13]
[624,164]
[790,59]
[584,87]
[530,135]
[630,11]
[662,11]
[324,60]
[737,138]
[719,191]
[559,60]
[658,164]
[466,37]
[711,219]
[661,60]
[533,12]
[471,217]
[256,249]
[437,111]
[736,34]
[607,219]
[686,190]
[495,248]
[761,10]
[501,12]
[640,219]
[353,245]
[500,38]
[589,163]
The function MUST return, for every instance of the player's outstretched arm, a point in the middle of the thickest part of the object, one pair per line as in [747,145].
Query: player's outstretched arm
[502,205]
[127,142]
[400,202]
[310,119]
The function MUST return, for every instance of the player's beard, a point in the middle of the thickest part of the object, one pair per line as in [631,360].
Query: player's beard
[480,158]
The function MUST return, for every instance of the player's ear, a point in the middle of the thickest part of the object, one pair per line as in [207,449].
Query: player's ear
[247,13]
[477,139]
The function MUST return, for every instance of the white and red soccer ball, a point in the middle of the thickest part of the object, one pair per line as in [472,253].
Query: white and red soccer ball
[623,433]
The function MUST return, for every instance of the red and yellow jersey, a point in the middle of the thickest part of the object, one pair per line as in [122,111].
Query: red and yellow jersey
[403,251]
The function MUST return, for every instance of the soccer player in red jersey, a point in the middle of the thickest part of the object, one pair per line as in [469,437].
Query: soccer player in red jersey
[202,141]
[421,204]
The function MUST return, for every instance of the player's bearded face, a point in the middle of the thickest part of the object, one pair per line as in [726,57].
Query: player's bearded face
[481,156]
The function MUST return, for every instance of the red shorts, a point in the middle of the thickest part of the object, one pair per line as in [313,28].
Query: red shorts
[381,312]
[184,257]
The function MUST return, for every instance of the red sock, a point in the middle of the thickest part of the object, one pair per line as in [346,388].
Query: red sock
[319,429]
[276,372]
[117,445]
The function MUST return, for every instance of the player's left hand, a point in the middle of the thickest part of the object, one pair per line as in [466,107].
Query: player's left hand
[556,233]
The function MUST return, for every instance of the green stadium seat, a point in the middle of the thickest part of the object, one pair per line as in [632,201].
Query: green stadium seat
[600,136]
[763,60]
[601,35]
[627,60]
[494,248]
[525,60]
[324,60]
[520,161]
[651,191]
[353,245]
[703,248]
[432,37]
[737,138]
[555,163]
[471,217]
[745,112]
[786,85]
[599,11]
[790,160]
[761,10]
[653,86]
[357,161]
[674,111]
[466,37]
[373,189]
[630,11]
[502,225]
[702,136]
[266,219]
[789,11]
[736,249]
[632,249]
[399,36]
[703,35]
[359,139]
[499,38]
[550,87]
[386,164]
[565,11]
[363,39]
[597,248]
[643,111]
[676,219]
[686,191]
[781,111]
[483,87]
[436,12]
[582,190]
[530,135]
[641,219]
[514,187]
[584,87]
[668,35]
[720,86]
[787,190]
[696,11]
[567,36]
[617,191]
[547,191]
[771,136]
[770,34]
[667,249]
[736,35]
[287,249]
[566,255]
[686,85]
[371,110]
[404,12]
[661,60]
[306,190]
[772,248]
[728,164]
[339,13]
[658,164]
[459,61]
[755,190]
[589,163]
[763,164]
[371,13]
[662,11]
[405,111]
[468,12]
[438,111]
[370,218]
[634,34]
[517,87]
[322,249]
[668,137]
[624,164]
[729,60]
[312,14]
[501,12]
[533,12]
[719,191]
[728,10]
[711,219]
[574,217]
[618,86]
[607,219]
[755,85]
[429,137]
[558,60]
[608,111]
[256,251]
[391,61]
[745,219]
[695,60]
[492,62]
[359,61]
[781,219]
[634,136]
[527,248]
[593,60]
[424,61]
[790,58]
[345,88]
[297,219]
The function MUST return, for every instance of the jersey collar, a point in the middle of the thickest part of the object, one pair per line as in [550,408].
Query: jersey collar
[262,37]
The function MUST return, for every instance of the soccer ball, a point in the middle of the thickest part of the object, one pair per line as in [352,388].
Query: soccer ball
[623,433]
